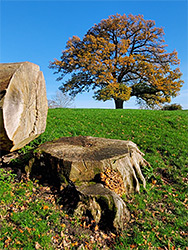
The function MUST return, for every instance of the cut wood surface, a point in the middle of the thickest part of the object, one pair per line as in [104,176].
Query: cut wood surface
[23,104]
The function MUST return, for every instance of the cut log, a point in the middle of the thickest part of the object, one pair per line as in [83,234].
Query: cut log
[23,104]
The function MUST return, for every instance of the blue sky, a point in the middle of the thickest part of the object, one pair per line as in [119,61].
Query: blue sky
[37,31]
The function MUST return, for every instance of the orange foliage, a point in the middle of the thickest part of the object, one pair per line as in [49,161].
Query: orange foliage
[122,56]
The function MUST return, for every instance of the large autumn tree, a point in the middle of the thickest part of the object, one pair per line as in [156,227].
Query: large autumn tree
[121,57]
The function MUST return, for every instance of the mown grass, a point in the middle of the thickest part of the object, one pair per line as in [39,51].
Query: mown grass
[158,216]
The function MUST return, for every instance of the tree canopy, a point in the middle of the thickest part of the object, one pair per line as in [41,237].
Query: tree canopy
[121,57]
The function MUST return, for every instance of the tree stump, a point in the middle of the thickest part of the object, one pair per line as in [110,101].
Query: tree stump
[23,104]
[115,163]
[85,162]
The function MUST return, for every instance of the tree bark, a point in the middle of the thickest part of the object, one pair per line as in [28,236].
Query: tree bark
[119,103]
[23,104]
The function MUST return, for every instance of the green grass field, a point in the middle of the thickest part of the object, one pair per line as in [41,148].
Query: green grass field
[158,217]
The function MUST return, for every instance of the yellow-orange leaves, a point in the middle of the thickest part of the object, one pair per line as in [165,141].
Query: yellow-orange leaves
[115,91]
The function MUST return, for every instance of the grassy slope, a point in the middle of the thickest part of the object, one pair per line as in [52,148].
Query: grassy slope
[158,216]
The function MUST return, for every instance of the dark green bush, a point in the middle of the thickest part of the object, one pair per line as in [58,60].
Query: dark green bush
[173,106]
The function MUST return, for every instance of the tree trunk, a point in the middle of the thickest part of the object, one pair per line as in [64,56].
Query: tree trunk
[119,103]
[23,104]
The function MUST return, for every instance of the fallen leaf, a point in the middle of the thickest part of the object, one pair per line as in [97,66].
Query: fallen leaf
[154,182]
[75,244]
[45,207]
[37,245]
[28,229]
[113,235]
[133,246]
[104,235]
